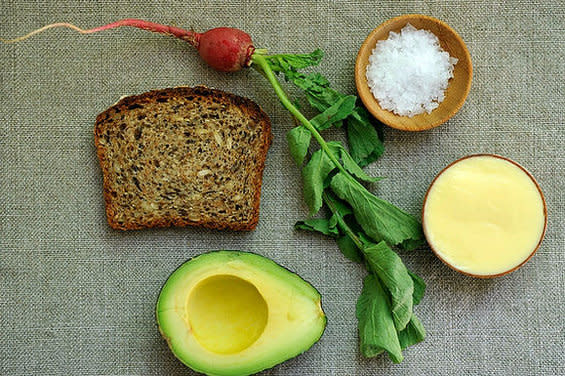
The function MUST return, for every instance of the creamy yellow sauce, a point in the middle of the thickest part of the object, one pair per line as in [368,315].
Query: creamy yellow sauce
[484,215]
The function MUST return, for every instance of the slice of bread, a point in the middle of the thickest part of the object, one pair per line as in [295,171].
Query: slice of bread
[183,157]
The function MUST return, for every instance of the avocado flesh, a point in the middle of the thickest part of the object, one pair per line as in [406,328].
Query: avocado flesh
[237,313]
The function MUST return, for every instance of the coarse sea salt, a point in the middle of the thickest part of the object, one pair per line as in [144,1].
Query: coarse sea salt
[409,72]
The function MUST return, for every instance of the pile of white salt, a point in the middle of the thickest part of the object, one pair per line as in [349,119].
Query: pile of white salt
[409,72]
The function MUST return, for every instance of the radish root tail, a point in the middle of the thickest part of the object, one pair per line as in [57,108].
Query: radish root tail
[189,36]
[42,29]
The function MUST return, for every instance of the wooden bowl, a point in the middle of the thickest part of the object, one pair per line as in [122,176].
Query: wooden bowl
[485,276]
[456,92]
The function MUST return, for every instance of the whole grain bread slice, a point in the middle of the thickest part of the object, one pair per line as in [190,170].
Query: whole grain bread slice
[183,157]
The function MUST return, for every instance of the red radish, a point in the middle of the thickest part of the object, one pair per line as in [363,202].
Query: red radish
[224,48]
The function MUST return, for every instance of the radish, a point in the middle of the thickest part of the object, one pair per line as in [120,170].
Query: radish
[223,48]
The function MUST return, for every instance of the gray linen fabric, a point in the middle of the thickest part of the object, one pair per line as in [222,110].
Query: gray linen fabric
[78,298]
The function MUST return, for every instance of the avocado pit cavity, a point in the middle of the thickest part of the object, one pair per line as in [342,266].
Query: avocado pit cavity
[227,314]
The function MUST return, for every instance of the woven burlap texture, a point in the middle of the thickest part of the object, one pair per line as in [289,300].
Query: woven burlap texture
[77,298]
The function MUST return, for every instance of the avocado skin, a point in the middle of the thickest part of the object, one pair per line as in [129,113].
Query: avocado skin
[230,256]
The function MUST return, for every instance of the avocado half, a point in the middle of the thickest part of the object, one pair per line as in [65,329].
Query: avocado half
[237,313]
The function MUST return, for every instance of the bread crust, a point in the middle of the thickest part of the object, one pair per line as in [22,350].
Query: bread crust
[250,108]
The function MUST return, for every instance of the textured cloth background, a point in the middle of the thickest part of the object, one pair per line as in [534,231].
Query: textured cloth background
[78,298]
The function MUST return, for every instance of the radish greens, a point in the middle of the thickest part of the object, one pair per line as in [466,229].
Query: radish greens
[365,227]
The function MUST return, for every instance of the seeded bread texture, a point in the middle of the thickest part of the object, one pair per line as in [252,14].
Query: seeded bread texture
[183,157]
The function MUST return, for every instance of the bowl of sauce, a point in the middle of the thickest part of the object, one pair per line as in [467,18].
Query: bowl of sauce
[484,215]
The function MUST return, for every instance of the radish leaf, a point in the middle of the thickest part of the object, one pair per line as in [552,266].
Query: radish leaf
[298,142]
[314,174]
[379,219]
[364,142]
[292,62]
[391,271]
[419,287]
[412,334]
[321,225]
[376,327]
[349,249]
[351,166]
[335,113]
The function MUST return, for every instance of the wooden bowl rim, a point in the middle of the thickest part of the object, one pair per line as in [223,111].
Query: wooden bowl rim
[487,276]
[369,100]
